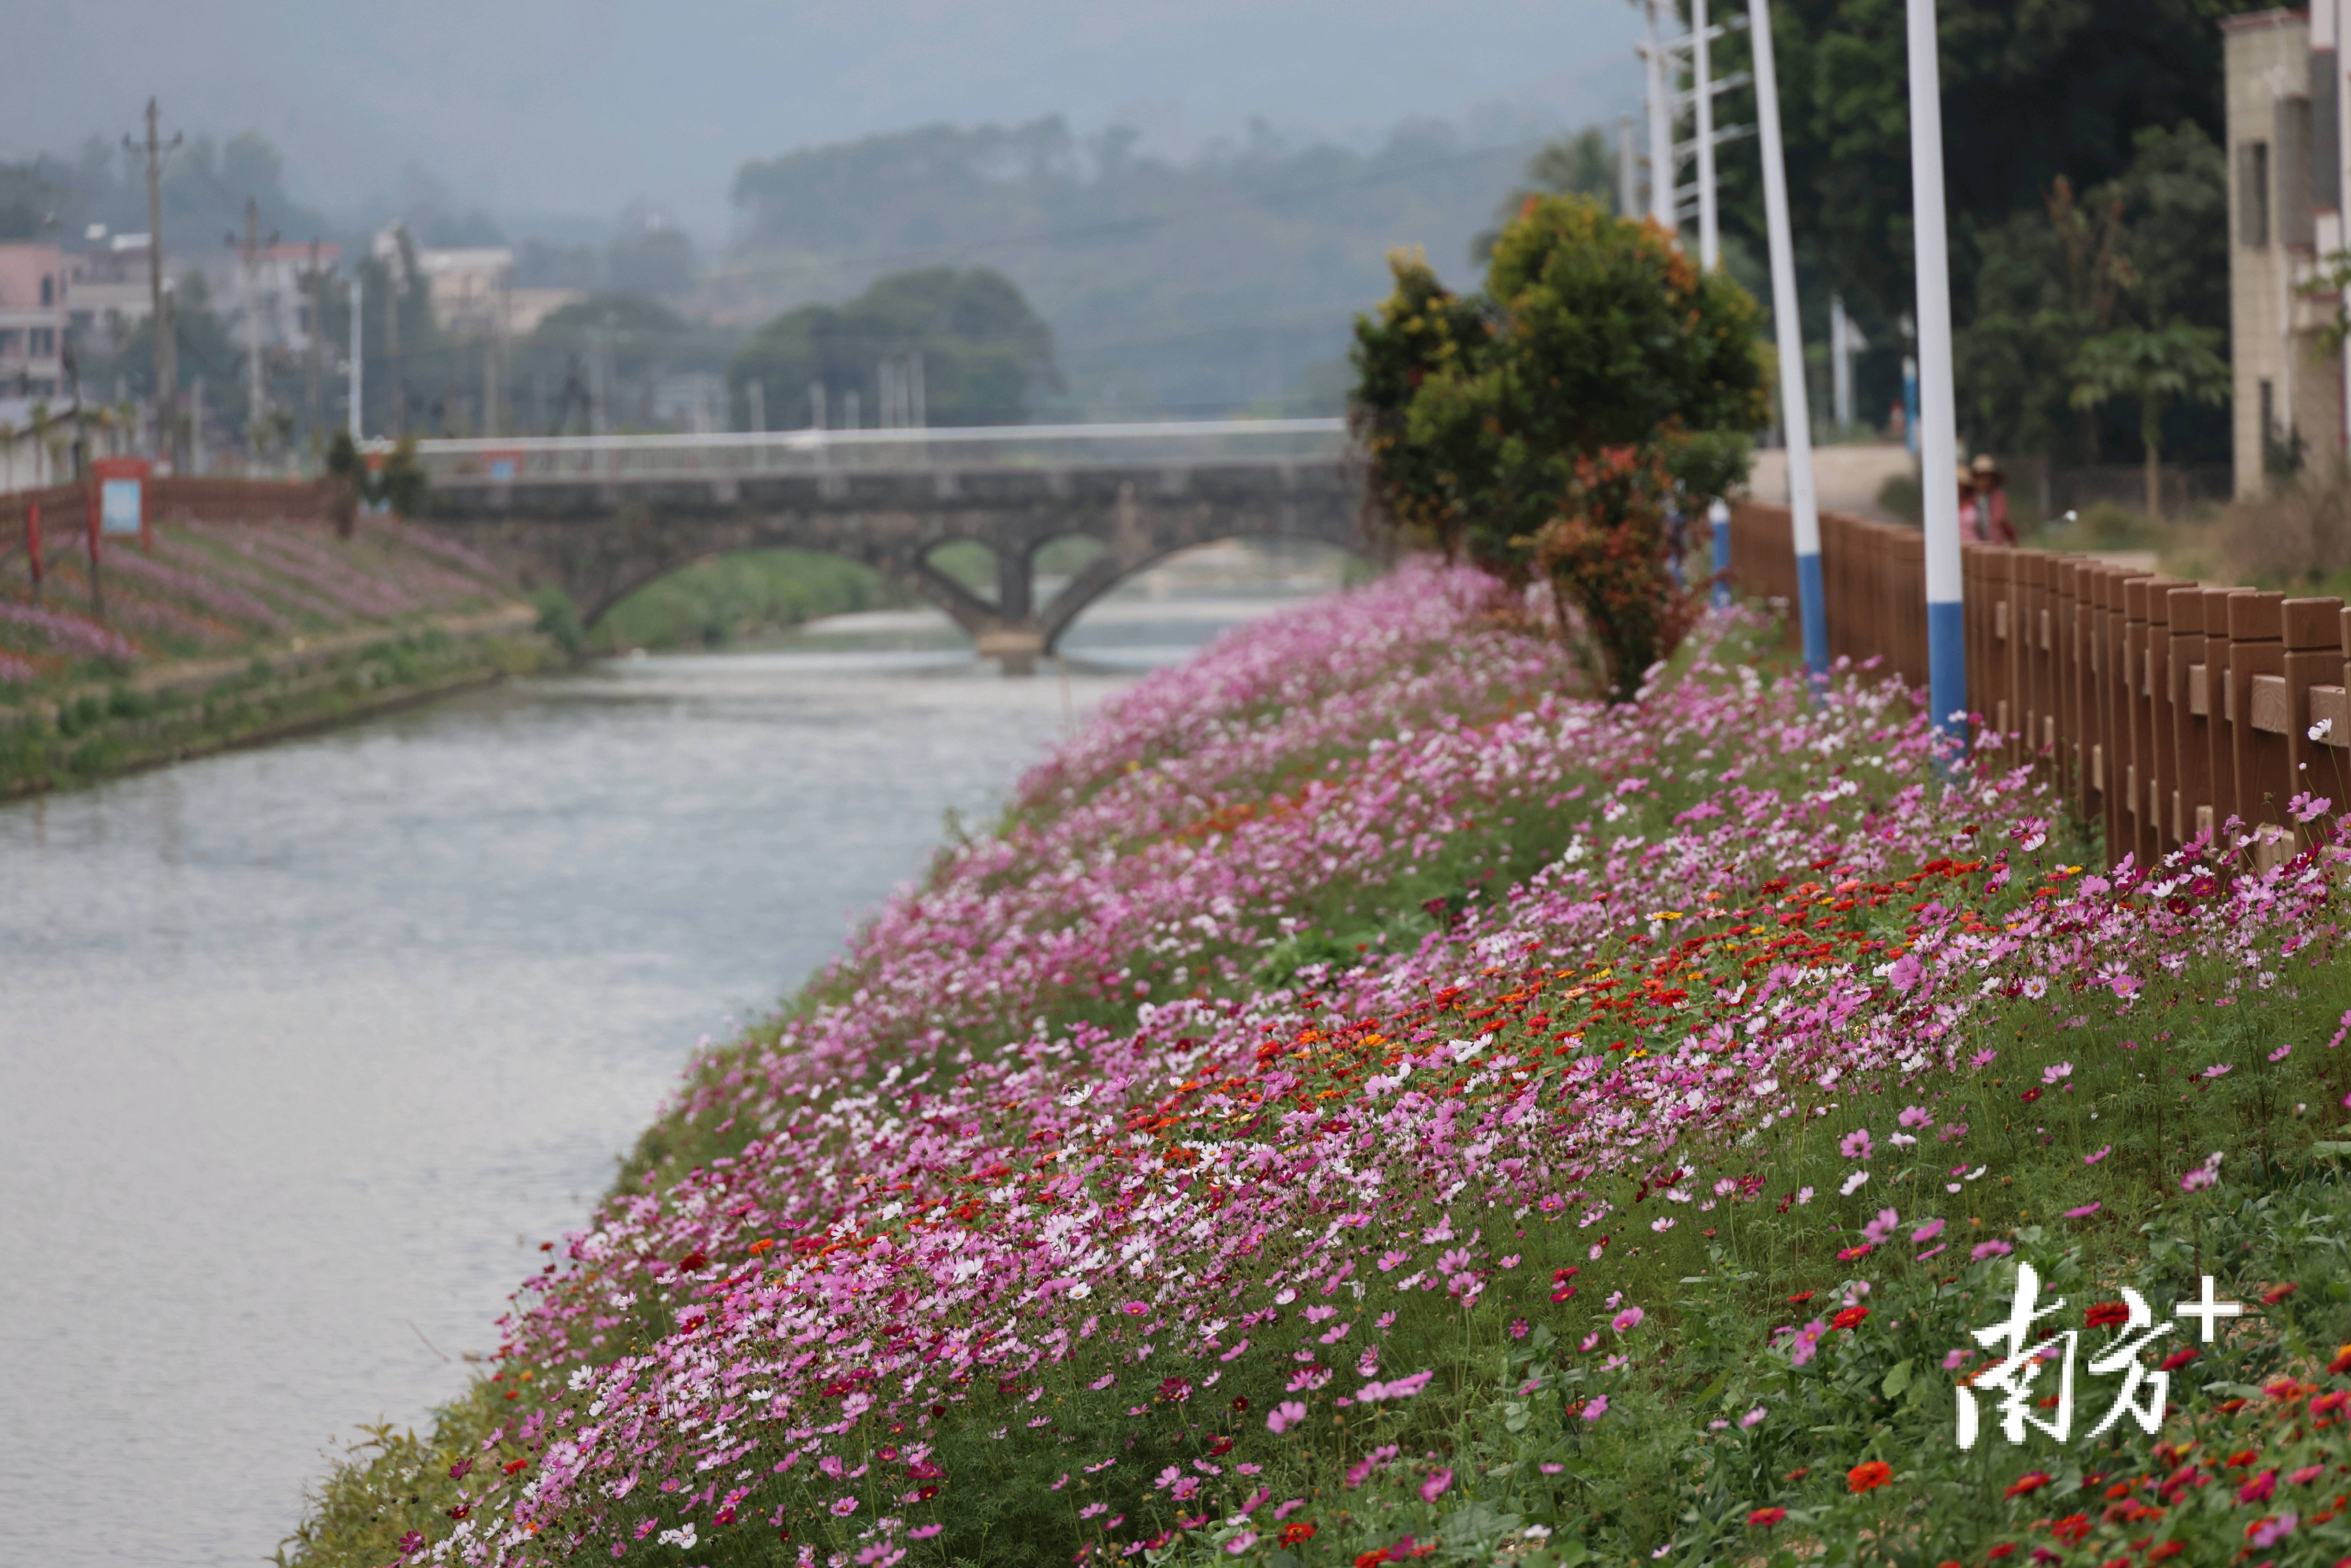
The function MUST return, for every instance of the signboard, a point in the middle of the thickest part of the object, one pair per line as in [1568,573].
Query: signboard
[122,496]
[120,509]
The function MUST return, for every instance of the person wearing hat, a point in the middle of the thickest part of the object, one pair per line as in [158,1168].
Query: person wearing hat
[1992,523]
[1971,515]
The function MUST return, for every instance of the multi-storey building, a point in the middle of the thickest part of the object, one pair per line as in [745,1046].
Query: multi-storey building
[32,321]
[2287,139]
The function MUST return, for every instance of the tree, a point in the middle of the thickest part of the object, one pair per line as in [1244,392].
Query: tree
[1545,427]
[1578,165]
[984,351]
[2151,368]
[2150,246]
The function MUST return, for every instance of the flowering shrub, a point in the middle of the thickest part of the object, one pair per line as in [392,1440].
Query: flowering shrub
[1361,1085]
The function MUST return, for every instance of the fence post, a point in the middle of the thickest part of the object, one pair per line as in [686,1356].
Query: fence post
[2257,715]
[2192,737]
[2313,631]
[2040,688]
[2217,725]
[2133,732]
[2157,750]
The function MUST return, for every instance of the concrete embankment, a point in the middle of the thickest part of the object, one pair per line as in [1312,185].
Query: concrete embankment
[171,711]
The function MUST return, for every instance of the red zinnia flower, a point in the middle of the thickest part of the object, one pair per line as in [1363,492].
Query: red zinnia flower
[1849,1318]
[2176,1359]
[2271,1298]
[2108,1314]
[1764,1518]
[2342,1361]
[2025,1485]
[1868,1476]
[1298,1532]
[1808,1295]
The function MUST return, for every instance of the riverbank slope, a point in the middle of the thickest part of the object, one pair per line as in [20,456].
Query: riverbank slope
[215,634]
[1367,1103]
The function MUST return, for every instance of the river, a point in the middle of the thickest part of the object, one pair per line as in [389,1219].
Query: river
[304,1050]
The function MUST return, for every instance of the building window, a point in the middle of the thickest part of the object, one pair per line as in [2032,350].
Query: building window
[2253,194]
[48,288]
[41,341]
[11,343]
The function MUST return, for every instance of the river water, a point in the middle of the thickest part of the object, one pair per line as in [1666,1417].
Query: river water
[304,1050]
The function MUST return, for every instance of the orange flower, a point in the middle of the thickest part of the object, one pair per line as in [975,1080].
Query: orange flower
[1868,1476]
[2030,1481]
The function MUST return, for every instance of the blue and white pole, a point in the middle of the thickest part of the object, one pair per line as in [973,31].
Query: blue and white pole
[1795,403]
[1717,512]
[1946,669]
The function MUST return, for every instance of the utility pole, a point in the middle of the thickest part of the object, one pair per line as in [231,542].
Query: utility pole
[314,389]
[250,253]
[1661,129]
[395,268]
[1946,675]
[1709,228]
[1628,170]
[1795,403]
[357,367]
[167,368]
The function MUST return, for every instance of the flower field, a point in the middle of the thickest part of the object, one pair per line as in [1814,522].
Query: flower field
[209,590]
[1367,1103]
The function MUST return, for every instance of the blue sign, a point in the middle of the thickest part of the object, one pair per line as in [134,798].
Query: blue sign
[120,506]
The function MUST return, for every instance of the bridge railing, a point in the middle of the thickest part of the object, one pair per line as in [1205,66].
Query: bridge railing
[2163,707]
[750,454]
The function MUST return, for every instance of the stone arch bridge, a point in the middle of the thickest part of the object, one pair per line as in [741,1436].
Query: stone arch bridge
[600,517]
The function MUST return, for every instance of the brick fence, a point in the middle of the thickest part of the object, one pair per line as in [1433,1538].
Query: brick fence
[2166,707]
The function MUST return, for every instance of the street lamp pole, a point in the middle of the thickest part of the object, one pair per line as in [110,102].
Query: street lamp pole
[1947,682]
[1795,403]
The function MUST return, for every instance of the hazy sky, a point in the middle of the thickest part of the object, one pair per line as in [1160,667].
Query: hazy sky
[547,107]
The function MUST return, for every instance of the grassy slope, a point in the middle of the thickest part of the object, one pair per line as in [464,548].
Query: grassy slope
[1612,1443]
[221,634]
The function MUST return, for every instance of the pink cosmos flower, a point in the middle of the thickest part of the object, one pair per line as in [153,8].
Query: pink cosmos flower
[1984,1249]
[1926,1232]
[1596,1408]
[1435,1485]
[1288,1413]
[1629,1319]
[1855,1144]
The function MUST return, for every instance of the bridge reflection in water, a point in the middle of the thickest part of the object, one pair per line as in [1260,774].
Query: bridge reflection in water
[602,515]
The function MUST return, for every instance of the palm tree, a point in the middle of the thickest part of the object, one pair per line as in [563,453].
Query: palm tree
[2150,367]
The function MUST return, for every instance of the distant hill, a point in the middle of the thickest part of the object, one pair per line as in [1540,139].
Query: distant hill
[1187,289]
